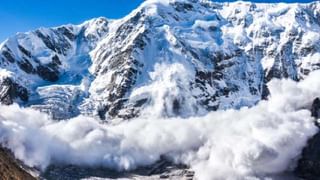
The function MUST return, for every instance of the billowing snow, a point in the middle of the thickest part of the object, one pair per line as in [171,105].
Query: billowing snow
[245,143]
[237,43]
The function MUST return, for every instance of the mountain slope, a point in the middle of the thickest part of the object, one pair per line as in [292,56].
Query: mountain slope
[168,58]
[36,64]
[161,56]
[10,168]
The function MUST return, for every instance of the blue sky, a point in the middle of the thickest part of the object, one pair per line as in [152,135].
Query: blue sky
[24,15]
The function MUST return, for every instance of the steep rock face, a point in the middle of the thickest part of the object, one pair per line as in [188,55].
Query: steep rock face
[309,162]
[10,168]
[9,91]
[218,55]
[181,58]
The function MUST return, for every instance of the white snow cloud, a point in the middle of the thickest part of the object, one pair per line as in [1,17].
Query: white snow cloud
[232,144]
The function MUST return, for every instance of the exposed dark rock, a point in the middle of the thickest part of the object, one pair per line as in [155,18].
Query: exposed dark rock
[315,109]
[140,102]
[265,92]
[10,168]
[305,71]
[182,7]
[162,169]
[47,73]
[309,163]
[56,60]
[202,77]
[26,66]
[8,55]
[11,90]
[274,73]
[102,112]
[65,31]
[284,66]
[46,40]
[128,78]
[253,90]
[24,51]
[58,44]
[176,106]
[114,108]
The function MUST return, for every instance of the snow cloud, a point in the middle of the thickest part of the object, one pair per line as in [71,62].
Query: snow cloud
[231,144]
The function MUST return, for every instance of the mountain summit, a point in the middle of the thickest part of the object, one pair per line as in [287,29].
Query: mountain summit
[176,89]
[162,55]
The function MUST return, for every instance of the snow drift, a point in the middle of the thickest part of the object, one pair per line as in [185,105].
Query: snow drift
[233,144]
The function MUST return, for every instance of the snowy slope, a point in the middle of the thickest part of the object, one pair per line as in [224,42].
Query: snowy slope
[48,59]
[178,58]
[173,52]
[166,66]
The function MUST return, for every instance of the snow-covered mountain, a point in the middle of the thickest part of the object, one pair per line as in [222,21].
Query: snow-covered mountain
[172,67]
[44,68]
[177,57]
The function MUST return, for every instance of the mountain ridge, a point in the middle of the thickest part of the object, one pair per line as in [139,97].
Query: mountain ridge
[171,59]
[210,46]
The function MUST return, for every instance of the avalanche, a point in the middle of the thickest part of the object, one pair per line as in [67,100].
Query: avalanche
[190,76]
[233,144]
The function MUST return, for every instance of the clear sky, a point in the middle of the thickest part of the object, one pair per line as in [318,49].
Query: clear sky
[25,15]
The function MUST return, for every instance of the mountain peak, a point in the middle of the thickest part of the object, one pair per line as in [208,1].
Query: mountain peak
[203,42]
[168,58]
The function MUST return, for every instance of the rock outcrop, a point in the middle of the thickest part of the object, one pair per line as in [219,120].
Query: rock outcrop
[215,55]
[10,169]
[309,163]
